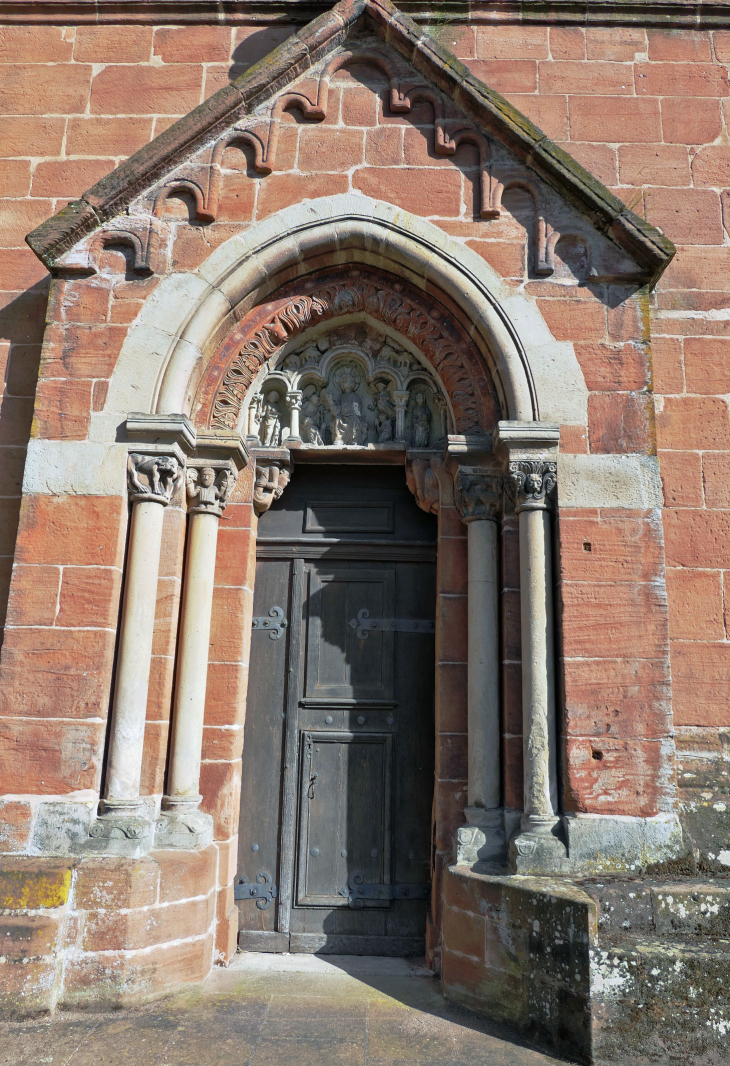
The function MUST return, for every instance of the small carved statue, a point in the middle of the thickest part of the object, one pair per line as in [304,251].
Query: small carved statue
[385,418]
[270,421]
[204,490]
[311,423]
[162,473]
[421,421]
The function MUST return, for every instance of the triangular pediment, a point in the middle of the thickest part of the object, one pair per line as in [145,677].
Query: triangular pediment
[568,200]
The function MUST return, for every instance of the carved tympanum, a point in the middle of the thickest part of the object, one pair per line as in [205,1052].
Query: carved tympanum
[532,481]
[350,388]
[478,495]
[153,477]
[391,409]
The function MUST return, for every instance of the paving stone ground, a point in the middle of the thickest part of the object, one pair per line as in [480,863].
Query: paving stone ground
[279,1011]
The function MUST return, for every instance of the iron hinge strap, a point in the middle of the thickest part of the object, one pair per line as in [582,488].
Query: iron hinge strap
[262,890]
[274,624]
[360,891]
[363,623]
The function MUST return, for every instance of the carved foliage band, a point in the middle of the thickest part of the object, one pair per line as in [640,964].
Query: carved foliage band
[382,297]
[153,477]
[478,495]
[532,481]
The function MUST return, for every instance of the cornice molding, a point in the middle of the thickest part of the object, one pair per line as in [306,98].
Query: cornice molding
[667,14]
[493,115]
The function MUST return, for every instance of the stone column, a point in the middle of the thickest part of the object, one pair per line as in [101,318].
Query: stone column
[154,470]
[294,406]
[211,477]
[531,450]
[401,402]
[477,494]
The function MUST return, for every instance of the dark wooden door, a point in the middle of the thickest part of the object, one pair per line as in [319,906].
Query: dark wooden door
[337,772]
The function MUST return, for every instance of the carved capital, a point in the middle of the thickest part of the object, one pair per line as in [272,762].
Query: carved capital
[294,400]
[208,489]
[478,495]
[153,477]
[272,477]
[532,482]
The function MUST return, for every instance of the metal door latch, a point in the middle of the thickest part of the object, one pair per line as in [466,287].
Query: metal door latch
[262,890]
[275,624]
[364,622]
[359,891]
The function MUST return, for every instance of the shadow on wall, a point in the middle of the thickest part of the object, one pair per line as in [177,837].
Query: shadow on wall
[256,46]
[22,322]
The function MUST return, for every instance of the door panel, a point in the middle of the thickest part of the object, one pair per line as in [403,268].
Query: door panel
[338,748]
[345,809]
[339,665]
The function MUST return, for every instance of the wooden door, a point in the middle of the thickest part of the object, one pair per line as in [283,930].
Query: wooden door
[337,772]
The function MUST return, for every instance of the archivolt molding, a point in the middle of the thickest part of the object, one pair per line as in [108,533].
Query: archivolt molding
[378,295]
[167,349]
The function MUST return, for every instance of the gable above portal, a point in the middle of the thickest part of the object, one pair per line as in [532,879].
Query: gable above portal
[507,152]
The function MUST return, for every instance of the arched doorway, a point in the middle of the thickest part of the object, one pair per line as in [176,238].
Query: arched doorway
[337,772]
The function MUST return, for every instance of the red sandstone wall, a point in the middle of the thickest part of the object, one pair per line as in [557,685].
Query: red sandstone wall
[640,109]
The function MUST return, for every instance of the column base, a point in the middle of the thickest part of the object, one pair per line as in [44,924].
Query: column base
[121,832]
[181,825]
[539,849]
[482,839]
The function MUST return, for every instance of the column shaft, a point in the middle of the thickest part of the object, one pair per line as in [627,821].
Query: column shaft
[135,653]
[192,666]
[538,671]
[483,654]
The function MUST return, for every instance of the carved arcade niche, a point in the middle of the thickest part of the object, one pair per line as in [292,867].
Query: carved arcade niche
[352,388]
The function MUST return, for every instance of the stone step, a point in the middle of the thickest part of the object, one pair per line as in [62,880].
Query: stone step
[648,986]
[678,909]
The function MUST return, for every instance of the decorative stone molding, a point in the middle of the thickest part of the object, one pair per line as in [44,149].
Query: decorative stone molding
[478,495]
[532,482]
[383,297]
[329,39]
[273,474]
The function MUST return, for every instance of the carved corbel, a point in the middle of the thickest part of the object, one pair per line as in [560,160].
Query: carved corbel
[478,494]
[424,484]
[273,474]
